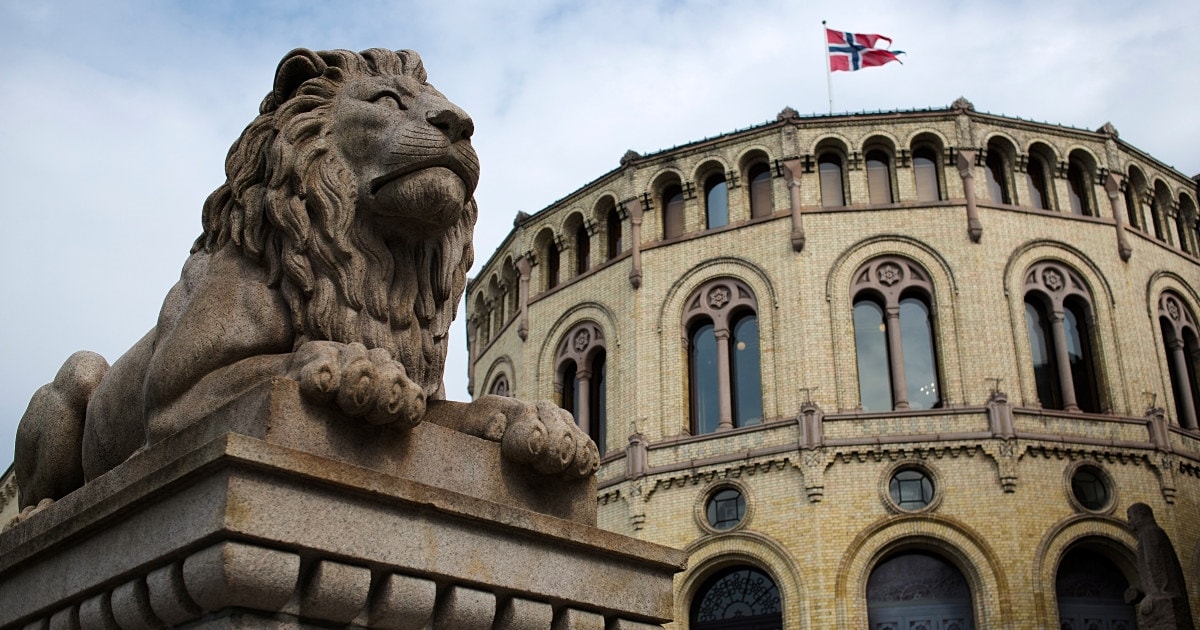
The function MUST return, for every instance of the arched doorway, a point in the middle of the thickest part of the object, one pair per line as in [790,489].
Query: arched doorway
[1090,591]
[918,591]
[737,598]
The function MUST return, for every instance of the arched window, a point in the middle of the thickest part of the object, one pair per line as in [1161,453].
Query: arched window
[762,203]
[583,250]
[737,598]
[672,211]
[612,230]
[1058,318]
[1181,343]
[581,379]
[879,177]
[724,365]
[997,178]
[1090,590]
[894,336]
[1080,184]
[500,386]
[925,172]
[1135,190]
[1159,202]
[1181,228]
[1036,176]
[829,169]
[552,266]
[908,590]
[716,201]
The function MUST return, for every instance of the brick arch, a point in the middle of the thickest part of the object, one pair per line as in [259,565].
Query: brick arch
[546,366]
[954,541]
[710,554]
[1107,531]
[502,366]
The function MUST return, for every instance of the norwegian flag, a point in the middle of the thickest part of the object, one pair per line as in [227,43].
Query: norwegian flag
[855,51]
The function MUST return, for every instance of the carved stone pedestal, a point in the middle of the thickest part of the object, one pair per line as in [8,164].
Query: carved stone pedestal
[270,514]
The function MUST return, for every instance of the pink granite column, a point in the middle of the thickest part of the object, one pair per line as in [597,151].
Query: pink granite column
[583,402]
[1063,357]
[634,206]
[1112,186]
[896,357]
[523,267]
[724,399]
[794,170]
[1187,414]
[966,171]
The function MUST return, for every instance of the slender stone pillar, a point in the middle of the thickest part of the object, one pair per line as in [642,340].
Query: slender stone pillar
[724,397]
[634,206]
[1112,186]
[1063,358]
[896,357]
[795,169]
[583,400]
[524,267]
[966,170]
[1187,412]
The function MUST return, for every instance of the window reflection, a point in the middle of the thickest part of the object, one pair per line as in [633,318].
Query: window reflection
[673,212]
[747,377]
[879,177]
[716,196]
[870,341]
[1037,325]
[996,181]
[920,368]
[761,203]
[703,364]
[830,171]
[925,172]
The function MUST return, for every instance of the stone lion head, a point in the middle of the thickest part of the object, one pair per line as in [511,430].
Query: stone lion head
[354,189]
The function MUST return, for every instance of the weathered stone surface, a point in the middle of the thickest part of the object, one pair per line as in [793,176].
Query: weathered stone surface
[1161,598]
[403,603]
[335,592]
[339,267]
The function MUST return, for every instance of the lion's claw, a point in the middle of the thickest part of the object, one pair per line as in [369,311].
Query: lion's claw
[543,436]
[366,384]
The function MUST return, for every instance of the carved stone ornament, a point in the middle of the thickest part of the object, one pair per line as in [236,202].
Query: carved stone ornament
[630,157]
[582,339]
[1173,309]
[1053,280]
[786,113]
[1161,598]
[962,104]
[718,297]
[279,288]
[890,274]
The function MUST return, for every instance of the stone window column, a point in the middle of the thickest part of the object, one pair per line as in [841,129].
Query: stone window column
[724,393]
[524,267]
[583,402]
[895,349]
[634,207]
[966,170]
[1187,415]
[1063,357]
[794,170]
[1112,186]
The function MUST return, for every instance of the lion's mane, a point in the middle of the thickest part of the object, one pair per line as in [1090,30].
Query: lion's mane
[289,203]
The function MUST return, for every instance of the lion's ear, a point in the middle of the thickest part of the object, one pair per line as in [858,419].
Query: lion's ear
[297,67]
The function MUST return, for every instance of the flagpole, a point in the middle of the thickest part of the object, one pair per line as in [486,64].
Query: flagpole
[828,72]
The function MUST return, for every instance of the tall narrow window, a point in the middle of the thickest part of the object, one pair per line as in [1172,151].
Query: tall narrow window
[1035,178]
[613,233]
[996,180]
[1133,199]
[829,167]
[552,265]
[1156,217]
[747,378]
[1182,349]
[879,177]
[1078,184]
[672,212]
[926,174]
[580,366]
[716,201]
[724,363]
[703,376]
[1058,314]
[1181,228]
[894,336]
[761,202]
[583,250]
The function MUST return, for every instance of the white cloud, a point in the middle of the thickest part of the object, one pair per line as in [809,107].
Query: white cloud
[115,117]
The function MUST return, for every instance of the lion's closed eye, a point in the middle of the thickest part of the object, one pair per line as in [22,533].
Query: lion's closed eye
[389,99]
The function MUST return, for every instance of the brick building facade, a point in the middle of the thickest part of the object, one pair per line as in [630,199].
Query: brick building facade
[906,367]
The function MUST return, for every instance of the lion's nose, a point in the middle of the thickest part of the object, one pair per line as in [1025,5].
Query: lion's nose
[453,122]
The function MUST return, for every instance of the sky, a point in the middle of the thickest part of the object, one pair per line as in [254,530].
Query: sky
[115,116]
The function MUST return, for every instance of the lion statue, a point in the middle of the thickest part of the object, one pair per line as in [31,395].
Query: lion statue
[335,254]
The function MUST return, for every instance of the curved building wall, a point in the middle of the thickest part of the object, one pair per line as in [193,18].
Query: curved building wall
[975,348]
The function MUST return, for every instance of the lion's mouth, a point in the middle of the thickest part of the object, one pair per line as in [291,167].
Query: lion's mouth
[447,161]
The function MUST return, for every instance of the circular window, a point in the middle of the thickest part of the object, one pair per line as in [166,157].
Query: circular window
[725,508]
[1091,488]
[911,489]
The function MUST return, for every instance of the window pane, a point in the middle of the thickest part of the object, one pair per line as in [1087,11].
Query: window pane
[703,363]
[747,373]
[879,178]
[1079,350]
[1078,188]
[614,234]
[1035,177]
[726,509]
[1131,207]
[830,169]
[925,171]
[717,201]
[997,184]
[870,342]
[570,390]
[583,249]
[737,597]
[551,266]
[1191,349]
[920,367]
[761,203]
[673,214]
[1040,344]
[599,403]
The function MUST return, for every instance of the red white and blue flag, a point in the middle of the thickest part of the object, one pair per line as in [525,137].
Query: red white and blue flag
[855,51]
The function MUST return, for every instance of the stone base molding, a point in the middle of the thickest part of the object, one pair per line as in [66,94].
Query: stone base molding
[217,529]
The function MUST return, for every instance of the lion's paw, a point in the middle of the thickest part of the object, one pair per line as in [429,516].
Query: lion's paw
[546,437]
[363,383]
[26,513]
